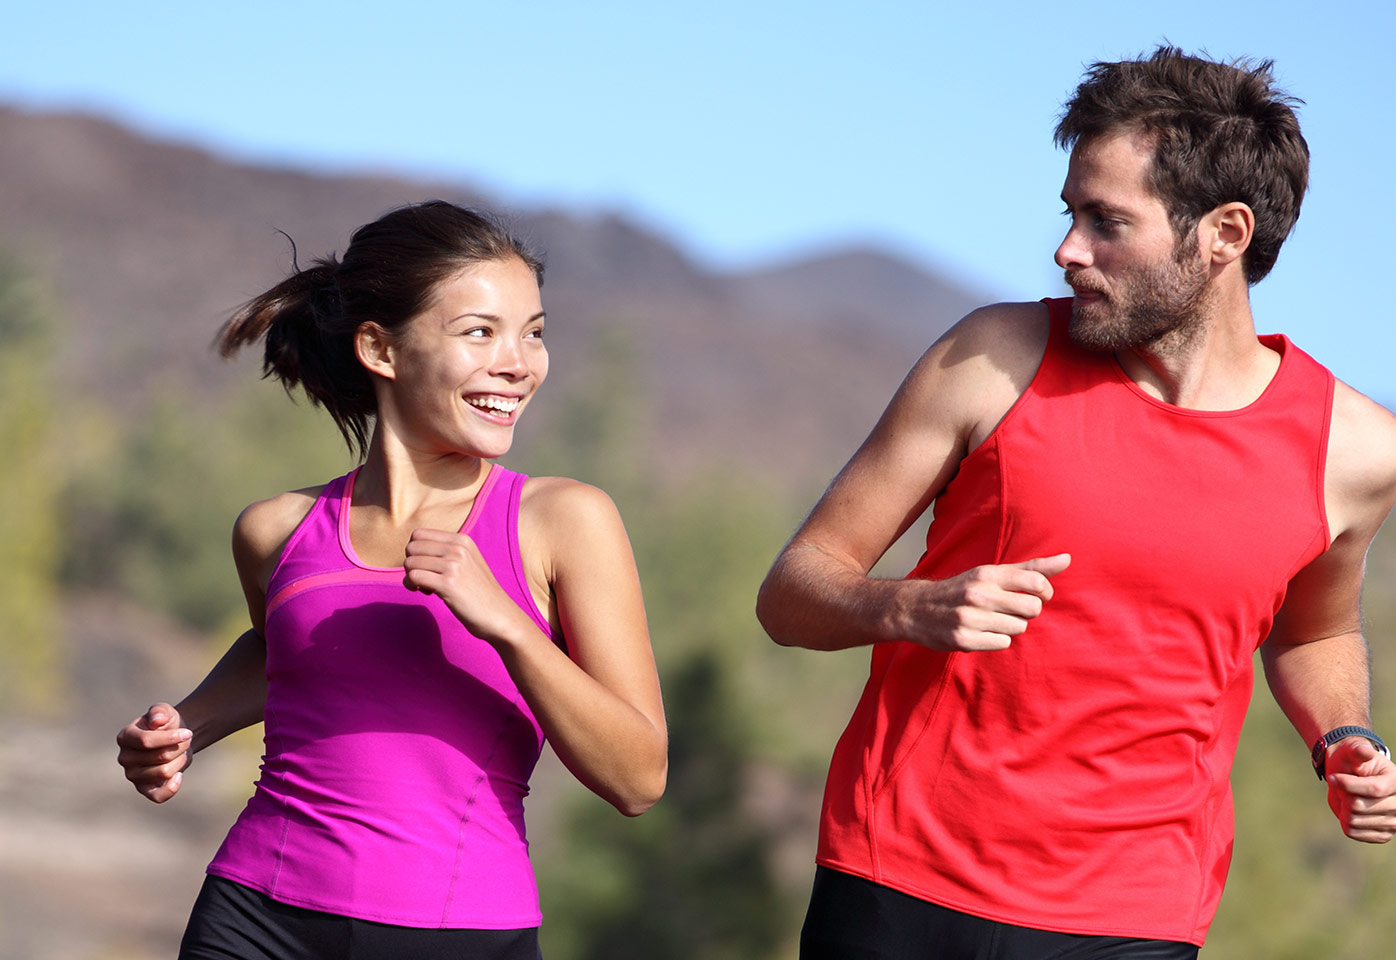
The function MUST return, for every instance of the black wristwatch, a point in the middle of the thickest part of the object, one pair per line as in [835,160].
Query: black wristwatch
[1321,745]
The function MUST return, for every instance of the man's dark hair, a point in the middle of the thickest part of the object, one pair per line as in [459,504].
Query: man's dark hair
[1221,132]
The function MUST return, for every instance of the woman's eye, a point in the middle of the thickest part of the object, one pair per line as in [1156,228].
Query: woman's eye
[480,332]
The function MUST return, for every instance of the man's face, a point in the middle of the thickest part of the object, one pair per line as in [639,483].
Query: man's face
[1134,281]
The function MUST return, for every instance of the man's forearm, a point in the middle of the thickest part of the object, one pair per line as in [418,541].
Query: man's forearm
[812,599]
[1320,685]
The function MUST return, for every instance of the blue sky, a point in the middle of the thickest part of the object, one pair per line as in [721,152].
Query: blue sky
[749,132]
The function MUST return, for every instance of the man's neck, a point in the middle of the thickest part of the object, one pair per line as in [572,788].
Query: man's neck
[1216,363]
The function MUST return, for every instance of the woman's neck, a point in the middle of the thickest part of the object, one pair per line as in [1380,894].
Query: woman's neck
[406,483]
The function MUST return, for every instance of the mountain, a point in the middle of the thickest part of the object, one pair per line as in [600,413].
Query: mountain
[147,246]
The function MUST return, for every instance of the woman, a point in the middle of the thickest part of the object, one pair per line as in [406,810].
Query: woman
[418,625]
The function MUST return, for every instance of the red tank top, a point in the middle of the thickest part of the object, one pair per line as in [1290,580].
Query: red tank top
[1078,781]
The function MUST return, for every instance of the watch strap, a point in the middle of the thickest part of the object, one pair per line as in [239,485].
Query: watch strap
[1321,745]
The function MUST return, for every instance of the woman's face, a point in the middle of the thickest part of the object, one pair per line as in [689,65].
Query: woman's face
[465,368]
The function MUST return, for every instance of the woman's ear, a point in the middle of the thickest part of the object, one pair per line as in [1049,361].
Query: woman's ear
[374,347]
[1230,228]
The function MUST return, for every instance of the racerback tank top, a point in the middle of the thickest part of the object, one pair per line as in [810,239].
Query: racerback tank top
[398,749]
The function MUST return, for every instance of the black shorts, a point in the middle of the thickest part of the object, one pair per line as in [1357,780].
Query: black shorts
[855,919]
[233,922]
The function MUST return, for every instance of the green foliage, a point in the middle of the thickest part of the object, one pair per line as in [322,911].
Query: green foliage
[30,664]
[695,877]
[598,432]
[692,878]
[1299,889]
[152,518]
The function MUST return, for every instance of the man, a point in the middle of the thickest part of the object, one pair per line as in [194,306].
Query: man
[1132,491]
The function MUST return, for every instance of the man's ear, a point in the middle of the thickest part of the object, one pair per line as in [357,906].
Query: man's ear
[1227,232]
[374,347]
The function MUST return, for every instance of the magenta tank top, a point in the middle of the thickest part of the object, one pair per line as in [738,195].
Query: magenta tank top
[398,749]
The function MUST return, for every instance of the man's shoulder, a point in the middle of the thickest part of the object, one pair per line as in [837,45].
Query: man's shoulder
[1361,467]
[1363,432]
[1000,339]
[976,372]
[996,326]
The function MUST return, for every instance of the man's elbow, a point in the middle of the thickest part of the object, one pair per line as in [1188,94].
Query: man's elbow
[770,608]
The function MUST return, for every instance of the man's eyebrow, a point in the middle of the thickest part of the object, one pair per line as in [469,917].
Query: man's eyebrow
[1093,206]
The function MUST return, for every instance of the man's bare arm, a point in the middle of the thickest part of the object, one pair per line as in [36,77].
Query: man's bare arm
[818,593]
[1316,659]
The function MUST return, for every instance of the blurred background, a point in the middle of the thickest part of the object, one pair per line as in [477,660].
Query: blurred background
[756,216]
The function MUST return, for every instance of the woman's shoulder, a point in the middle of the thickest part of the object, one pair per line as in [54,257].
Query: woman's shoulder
[560,499]
[264,526]
[567,514]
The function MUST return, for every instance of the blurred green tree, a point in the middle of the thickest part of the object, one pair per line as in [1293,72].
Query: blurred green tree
[696,876]
[152,517]
[30,660]
[1299,889]
[693,877]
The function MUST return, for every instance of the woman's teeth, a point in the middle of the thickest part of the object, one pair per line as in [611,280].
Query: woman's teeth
[495,404]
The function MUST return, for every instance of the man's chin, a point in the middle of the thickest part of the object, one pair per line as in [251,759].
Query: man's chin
[1091,329]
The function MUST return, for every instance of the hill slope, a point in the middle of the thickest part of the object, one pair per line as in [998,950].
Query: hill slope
[148,245]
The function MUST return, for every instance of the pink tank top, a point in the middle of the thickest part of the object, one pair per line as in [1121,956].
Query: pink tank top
[398,748]
[1078,781]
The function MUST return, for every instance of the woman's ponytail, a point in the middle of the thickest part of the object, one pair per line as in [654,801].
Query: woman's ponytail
[308,342]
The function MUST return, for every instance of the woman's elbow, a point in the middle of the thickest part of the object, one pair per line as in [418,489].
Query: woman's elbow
[644,792]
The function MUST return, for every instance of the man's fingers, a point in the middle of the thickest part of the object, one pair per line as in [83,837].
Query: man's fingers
[972,640]
[1357,755]
[974,623]
[1034,576]
[1047,566]
[1371,836]
[985,642]
[985,607]
[1361,751]
[1357,785]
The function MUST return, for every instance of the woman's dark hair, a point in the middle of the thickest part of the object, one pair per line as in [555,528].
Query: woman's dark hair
[387,277]
[1220,132]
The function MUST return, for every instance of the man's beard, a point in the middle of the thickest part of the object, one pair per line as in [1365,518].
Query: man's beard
[1161,300]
